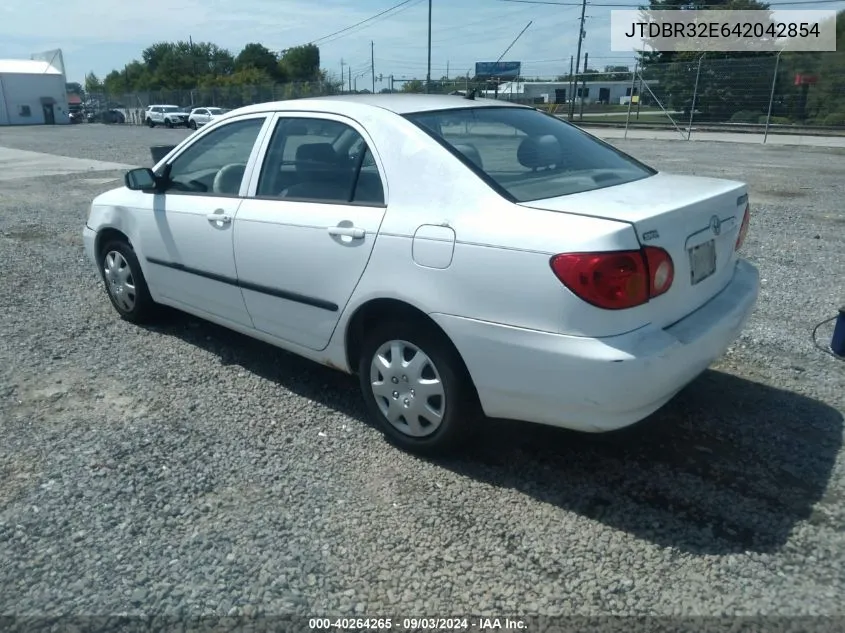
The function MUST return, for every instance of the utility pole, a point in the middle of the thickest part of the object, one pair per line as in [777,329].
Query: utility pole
[341,75]
[447,70]
[583,88]
[571,94]
[578,57]
[428,74]
[580,36]
[349,70]
[373,64]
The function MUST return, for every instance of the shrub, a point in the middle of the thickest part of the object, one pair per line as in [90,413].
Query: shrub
[775,120]
[745,116]
[837,118]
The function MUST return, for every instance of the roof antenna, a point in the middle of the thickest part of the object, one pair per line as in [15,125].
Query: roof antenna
[471,94]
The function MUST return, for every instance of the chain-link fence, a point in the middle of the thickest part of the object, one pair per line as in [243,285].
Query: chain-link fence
[787,94]
[791,93]
[129,107]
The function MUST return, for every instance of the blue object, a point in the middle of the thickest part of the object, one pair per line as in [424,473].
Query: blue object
[837,343]
[502,70]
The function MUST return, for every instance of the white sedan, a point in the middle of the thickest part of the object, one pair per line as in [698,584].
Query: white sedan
[461,257]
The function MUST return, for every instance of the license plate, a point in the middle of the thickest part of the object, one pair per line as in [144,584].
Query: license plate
[702,259]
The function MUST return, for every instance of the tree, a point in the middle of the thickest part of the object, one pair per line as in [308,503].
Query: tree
[93,83]
[258,57]
[728,83]
[74,88]
[172,69]
[301,63]
[822,101]
[415,85]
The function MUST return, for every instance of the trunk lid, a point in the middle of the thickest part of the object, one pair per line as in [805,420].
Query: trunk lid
[694,219]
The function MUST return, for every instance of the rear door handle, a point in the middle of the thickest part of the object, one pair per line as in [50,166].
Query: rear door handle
[219,216]
[347,231]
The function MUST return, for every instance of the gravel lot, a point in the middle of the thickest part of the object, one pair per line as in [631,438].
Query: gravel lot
[187,469]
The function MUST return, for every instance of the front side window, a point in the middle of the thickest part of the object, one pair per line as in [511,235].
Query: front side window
[527,155]
[319,160]
[216,163]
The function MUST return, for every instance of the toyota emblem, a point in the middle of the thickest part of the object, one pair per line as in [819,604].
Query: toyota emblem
[715,225]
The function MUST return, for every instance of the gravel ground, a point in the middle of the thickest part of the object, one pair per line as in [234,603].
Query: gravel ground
[188,469]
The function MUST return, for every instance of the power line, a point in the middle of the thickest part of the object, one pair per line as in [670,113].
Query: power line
[369,19]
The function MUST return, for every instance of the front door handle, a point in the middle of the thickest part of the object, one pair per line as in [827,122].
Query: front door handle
[219,216]
[347,231]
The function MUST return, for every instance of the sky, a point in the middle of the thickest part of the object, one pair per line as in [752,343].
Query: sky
[101,35]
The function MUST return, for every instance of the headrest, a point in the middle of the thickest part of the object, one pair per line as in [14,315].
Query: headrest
[471,153]
[536,152]
[316,153]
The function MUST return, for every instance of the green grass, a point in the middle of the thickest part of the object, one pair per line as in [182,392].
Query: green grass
[648,117]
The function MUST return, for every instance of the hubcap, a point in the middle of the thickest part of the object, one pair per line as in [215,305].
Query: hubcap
[407,388]
[119,280]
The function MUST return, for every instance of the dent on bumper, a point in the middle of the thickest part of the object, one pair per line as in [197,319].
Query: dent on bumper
[601,384]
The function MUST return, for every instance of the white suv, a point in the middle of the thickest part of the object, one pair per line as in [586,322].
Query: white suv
[201,116]
[169,115]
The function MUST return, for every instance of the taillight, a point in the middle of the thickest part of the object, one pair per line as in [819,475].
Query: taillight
[616,280]
[743,229]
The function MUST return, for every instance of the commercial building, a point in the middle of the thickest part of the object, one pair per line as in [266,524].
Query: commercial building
[33,91]
[593,91]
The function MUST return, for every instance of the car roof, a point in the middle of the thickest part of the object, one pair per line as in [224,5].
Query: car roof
[398,103]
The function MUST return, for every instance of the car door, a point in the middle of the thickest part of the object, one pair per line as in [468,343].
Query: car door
[201,116]
[305,231]
[187,241]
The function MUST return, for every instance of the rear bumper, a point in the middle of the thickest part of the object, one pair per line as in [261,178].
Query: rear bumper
[598,384]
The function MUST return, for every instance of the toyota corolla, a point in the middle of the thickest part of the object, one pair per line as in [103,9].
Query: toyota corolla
[463,257]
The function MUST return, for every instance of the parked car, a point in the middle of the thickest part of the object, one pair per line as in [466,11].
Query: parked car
[201,116]
[507,264]
[106,116]
[167,115]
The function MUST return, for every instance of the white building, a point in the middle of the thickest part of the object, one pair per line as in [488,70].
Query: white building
[594,91]
[33,91]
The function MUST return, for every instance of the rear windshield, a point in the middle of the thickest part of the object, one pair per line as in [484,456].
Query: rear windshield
[528,155]
[215,111]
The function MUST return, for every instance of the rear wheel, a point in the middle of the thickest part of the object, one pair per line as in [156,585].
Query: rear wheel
[150,123]
[125,283]
[416,388]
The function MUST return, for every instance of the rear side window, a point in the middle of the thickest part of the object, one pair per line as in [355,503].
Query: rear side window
[319,160]
[527,155]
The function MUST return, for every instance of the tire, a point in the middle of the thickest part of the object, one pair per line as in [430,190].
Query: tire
[127,292]
[168,123]
[457,404]
[150,123]
[192,125]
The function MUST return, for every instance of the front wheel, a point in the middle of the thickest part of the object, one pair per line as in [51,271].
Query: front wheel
[192,125]
[125,283]
[416,388]
[150,123]
[168,123]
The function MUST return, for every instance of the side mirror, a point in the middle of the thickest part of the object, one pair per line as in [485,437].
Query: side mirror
[141,179]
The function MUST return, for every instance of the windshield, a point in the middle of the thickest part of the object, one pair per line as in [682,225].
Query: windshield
[215,111]
[528,155]
[170,109]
